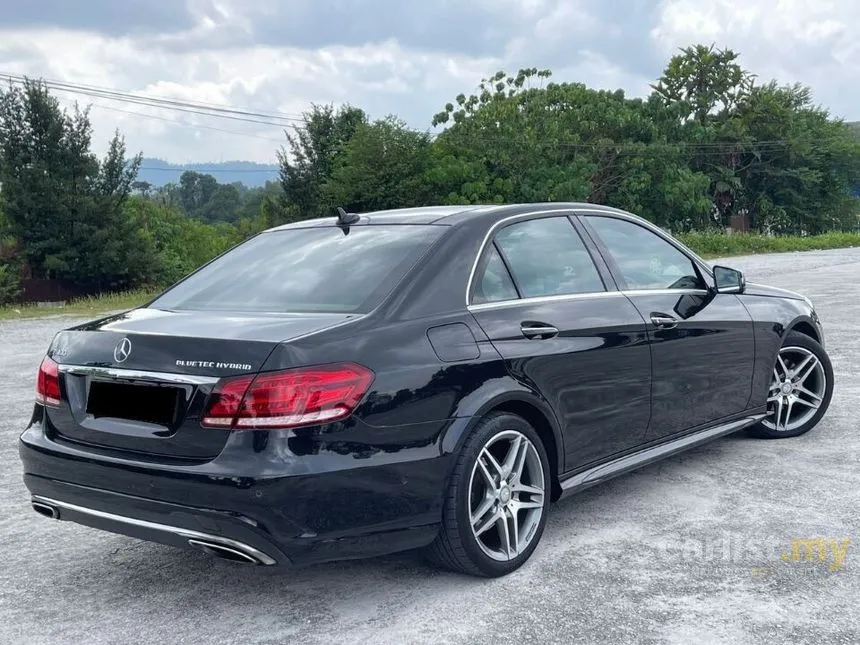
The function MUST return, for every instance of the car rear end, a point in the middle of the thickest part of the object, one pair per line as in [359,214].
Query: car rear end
[227,414]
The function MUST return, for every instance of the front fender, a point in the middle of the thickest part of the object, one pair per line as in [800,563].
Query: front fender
[774,318]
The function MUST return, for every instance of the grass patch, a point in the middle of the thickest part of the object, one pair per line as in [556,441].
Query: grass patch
[718,245]
[87,306]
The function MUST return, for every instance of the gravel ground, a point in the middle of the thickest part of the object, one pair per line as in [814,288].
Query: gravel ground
[685,551]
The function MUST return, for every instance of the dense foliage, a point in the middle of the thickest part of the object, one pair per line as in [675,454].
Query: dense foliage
[709,147]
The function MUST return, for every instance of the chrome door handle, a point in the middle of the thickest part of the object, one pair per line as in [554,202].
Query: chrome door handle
[663,321]
[539,331]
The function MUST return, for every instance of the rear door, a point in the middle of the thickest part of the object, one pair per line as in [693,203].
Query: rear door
[565,330]
[702,342]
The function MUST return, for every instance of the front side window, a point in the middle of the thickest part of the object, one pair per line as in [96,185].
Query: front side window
[314,270]
[644,259]
[548,258]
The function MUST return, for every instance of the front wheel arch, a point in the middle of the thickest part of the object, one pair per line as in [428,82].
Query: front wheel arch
[806,328]
[795,340]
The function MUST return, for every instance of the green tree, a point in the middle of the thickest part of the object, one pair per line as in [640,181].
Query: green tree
[513,142]
[384,165]
[704,80]
[195,191]
[63,205]
[177,243]
[770,154]
[310,158]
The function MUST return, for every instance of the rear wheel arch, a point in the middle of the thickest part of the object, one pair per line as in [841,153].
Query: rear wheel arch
[544,429]
[532,410]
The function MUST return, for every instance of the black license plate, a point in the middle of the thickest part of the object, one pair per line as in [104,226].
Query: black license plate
[147,403]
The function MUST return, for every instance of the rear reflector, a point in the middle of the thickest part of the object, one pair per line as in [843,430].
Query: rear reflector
[48,383]
[288,399]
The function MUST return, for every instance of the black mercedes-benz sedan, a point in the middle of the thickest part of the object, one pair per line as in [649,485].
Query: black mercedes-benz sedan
[428,378]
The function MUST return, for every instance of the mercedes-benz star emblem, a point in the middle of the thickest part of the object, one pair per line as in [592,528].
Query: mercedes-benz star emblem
[122,351]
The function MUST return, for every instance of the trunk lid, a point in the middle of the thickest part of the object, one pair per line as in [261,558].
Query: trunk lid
[139,382]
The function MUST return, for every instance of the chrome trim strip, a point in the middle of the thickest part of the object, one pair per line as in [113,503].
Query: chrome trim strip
[654,229]
[164,528]
[539,300]
[573,211]
[602,472]
[628,293]
[664,292]
[502,222]
[139,375]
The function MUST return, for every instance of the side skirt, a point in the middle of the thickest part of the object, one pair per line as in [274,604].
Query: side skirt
[605,471]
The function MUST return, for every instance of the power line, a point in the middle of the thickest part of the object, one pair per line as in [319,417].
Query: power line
[208,170]
[219,107]
[275,119]
[185,123]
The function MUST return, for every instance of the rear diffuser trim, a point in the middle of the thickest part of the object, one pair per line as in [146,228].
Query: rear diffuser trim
[188,534]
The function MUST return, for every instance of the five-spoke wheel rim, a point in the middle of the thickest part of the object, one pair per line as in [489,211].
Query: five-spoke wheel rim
[797,389]
[506,495]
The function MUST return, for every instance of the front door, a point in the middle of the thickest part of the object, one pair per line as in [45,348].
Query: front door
[702,342]
[544,305]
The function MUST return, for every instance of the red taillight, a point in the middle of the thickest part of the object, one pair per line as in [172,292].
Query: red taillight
[288,399]
[48,383]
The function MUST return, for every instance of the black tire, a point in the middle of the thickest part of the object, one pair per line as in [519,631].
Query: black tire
[456,548]
[796,339]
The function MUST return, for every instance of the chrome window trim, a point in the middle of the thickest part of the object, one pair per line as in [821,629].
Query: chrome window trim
[574,211]
[628,293]
[636,219]
[664,292]
[539,300]
[567,212]
[139,375]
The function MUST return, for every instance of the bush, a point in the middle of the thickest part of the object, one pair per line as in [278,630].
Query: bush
[715,244]
[10,284]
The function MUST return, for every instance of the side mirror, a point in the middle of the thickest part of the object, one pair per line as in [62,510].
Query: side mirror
[728,280]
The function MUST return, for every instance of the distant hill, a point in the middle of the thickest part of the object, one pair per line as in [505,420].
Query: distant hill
[159,172]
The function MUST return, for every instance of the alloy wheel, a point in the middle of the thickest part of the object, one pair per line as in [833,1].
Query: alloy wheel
[506,495]
[796,391]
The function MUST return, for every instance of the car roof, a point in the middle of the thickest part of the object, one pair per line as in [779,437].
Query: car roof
[448,215]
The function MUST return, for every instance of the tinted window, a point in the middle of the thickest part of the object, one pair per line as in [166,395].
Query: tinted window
[645,260]
[495,283]
[305,270]
[548,258]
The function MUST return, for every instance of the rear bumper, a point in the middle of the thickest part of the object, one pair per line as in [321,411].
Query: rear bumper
[154,531]
[385,502]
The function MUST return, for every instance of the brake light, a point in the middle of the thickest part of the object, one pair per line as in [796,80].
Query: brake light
[48,383]
[288,399]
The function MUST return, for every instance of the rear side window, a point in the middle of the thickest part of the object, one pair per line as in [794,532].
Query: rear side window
[305,270]
[495,283]
[548,258]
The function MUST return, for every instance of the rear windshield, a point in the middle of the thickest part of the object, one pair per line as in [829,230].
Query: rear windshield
[305,270]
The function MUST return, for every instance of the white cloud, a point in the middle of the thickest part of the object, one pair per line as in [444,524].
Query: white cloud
[380,78]
[392,56]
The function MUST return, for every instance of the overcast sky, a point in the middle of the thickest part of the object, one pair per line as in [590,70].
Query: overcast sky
[406,57]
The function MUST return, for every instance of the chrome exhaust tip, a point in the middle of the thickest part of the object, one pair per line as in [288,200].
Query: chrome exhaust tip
[46,509]
[224,552]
